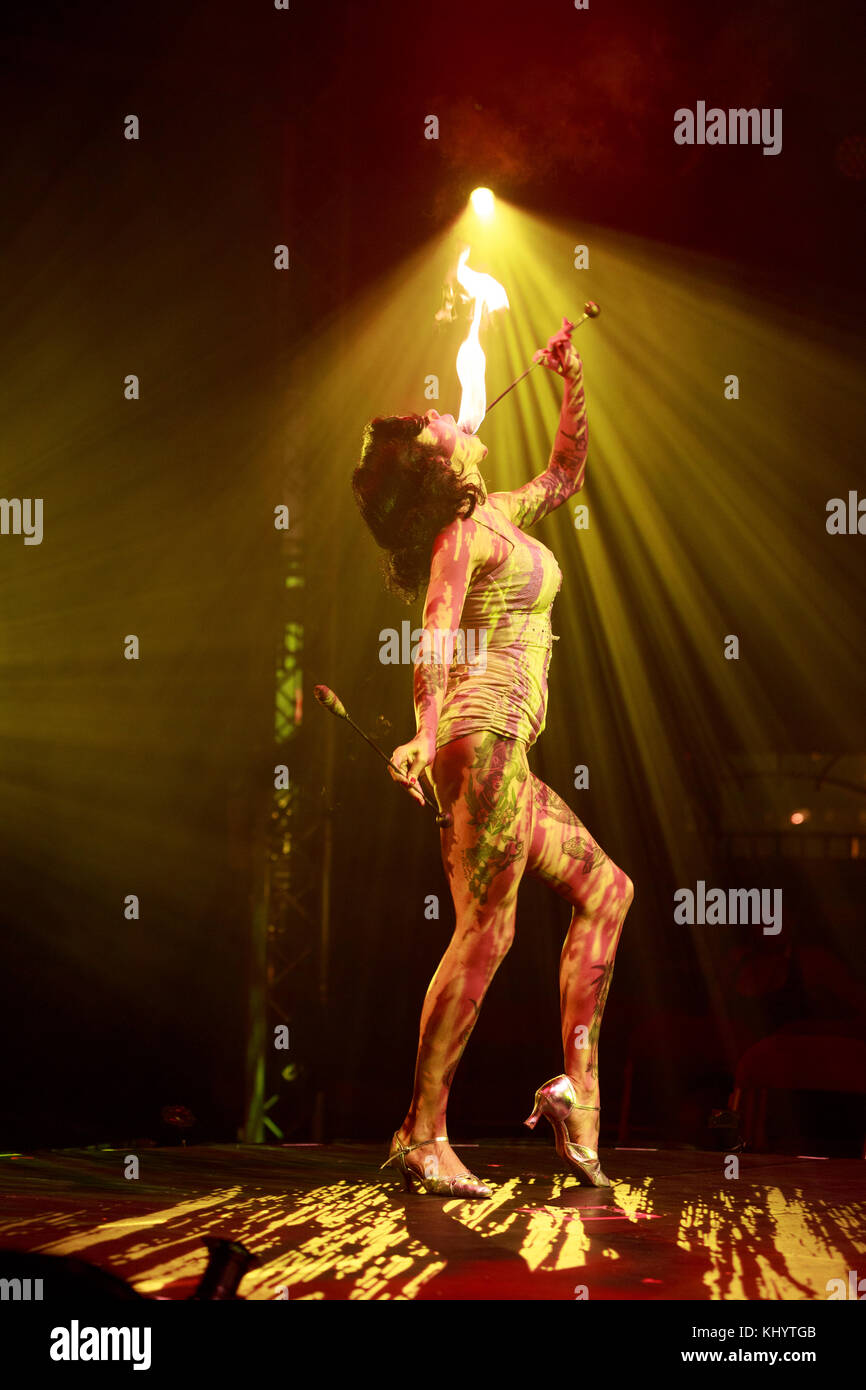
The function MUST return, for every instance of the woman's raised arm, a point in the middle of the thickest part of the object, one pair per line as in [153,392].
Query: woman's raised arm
[566,468]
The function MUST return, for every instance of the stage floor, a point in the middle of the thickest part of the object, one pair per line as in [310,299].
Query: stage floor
[325,1224]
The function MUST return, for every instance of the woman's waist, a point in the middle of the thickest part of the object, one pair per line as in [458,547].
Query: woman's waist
[509,693]
[522,666]
[511,630]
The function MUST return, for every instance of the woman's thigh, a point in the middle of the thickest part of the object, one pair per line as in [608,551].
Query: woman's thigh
[483,782]
[564,855]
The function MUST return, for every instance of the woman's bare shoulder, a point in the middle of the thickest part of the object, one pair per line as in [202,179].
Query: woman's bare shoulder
[475,524]
[501,505]
[497,501]
[476,538]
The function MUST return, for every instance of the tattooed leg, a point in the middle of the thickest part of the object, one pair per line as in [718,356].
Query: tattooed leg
[563,854]
[484,782]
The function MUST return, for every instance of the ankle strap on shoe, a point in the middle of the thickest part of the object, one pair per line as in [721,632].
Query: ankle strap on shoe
[441,1139]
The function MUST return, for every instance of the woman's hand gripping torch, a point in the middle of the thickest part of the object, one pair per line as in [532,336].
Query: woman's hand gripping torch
[328,700]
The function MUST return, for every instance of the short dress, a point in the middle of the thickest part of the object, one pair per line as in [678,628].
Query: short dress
[506,621]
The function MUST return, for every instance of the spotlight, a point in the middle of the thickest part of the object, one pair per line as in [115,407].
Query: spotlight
[800,817]
[483,203]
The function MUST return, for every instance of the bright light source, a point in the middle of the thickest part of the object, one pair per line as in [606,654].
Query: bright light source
[483,203]
[800,817]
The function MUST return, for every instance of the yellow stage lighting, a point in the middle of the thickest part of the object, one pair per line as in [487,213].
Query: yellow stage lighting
[483,203]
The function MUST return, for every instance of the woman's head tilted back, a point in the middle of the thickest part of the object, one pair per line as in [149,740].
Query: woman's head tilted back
[416,475]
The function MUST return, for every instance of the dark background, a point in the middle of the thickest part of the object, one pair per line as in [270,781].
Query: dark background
[154,777]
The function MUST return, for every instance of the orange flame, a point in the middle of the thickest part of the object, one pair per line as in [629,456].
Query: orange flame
[471,362]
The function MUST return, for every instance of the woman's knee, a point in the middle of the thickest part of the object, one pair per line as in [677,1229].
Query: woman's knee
[625,890]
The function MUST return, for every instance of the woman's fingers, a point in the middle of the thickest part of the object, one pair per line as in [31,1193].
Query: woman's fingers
[411,787]
[408,761]
[559,354]
[400,763]
[413,772]
[397,765]
[552,359]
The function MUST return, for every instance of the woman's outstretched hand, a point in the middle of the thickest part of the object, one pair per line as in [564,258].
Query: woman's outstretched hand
[561,355]
[412,758]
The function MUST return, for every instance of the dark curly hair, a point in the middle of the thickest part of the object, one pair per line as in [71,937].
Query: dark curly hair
[407,492]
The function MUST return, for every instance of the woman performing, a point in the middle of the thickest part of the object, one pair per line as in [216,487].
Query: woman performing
[420,492]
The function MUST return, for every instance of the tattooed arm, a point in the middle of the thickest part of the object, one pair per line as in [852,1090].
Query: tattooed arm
[566,469]
[458,553]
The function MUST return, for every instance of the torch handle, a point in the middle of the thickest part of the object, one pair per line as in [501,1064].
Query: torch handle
[440,819]
[591,311]
[334,705]
[514,383]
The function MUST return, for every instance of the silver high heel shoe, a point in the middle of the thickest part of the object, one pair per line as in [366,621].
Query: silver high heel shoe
[462,1185]
[556,1099]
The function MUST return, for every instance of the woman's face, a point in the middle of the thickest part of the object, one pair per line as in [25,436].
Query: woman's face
[463,450]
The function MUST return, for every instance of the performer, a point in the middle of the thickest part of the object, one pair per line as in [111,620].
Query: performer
[421,493]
